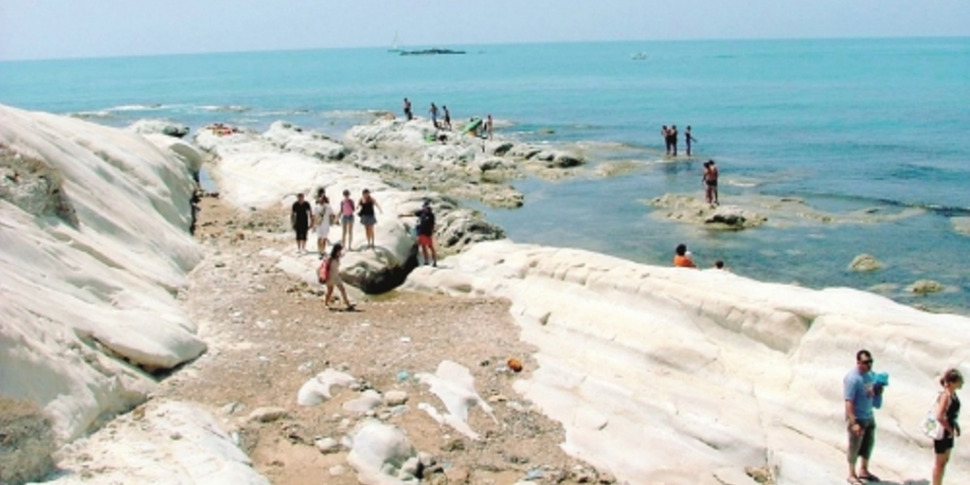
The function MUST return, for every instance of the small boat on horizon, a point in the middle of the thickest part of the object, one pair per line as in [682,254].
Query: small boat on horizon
[395,44]
[639,56]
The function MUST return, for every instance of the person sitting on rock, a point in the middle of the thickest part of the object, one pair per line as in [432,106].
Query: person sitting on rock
[682,257]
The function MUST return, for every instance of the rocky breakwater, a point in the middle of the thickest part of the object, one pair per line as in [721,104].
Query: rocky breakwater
[264,172]
[693,210]
[95,248]
[716,372]
[745,210]
[414,154]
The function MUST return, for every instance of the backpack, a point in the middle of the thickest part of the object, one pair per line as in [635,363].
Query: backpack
[323,272]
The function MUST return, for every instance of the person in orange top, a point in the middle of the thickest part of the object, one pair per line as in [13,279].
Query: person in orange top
[682,257]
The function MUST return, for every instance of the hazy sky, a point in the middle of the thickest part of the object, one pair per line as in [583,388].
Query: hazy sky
[31,29]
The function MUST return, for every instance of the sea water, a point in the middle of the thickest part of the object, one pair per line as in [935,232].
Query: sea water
[877,125]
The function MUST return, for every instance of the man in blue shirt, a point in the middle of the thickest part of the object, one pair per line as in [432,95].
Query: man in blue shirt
[862,394]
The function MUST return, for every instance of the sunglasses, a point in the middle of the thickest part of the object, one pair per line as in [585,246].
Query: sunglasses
[866,362]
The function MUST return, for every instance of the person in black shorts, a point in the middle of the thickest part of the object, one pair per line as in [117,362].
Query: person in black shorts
[300,217]
[948,414]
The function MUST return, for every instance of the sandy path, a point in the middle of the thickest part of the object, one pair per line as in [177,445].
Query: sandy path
[269,333]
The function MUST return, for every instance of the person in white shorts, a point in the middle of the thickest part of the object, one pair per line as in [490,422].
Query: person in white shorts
[323,217]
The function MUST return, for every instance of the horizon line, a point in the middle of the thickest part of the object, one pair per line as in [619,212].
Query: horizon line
[537,42]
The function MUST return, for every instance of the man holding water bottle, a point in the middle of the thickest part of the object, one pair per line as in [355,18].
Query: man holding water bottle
[863,393]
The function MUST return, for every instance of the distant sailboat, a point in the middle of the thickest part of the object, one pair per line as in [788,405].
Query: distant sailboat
[396,45]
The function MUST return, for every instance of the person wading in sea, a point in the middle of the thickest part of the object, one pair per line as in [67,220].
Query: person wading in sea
[688,139]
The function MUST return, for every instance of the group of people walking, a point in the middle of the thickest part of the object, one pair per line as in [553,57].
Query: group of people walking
[863,392]
[321,216]
[670,136]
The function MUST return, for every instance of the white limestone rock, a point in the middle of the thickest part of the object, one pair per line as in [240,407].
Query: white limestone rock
[961,225]
[86,294]
[159,127]
[327,445]
[391,134]
[721,371]
[694,210]
[864,263]
[267,414]
[924,287]
[368,401]
[455,387]
[143,450]
[317,389]
[395,398]
[378,453]
[293,138]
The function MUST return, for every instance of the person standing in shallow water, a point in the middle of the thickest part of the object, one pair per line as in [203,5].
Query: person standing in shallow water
[862,394]
[688,139]
[300,216]
[947,413]
[709,179]
[665,133]
[682,257]
[673,140]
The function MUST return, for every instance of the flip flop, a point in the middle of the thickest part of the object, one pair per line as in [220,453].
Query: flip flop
[854,481]
[869,478]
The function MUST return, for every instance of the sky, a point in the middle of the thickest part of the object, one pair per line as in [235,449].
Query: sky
[45,29]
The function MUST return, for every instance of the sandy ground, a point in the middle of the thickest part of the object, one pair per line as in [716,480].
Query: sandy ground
[269,333]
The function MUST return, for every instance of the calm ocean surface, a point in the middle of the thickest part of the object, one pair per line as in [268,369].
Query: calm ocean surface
[844,125]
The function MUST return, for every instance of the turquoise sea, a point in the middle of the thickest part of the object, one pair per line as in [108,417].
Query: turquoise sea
[845,125]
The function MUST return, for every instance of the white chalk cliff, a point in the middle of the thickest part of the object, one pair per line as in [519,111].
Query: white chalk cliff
[681,376]
[94,244]
[659,375]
